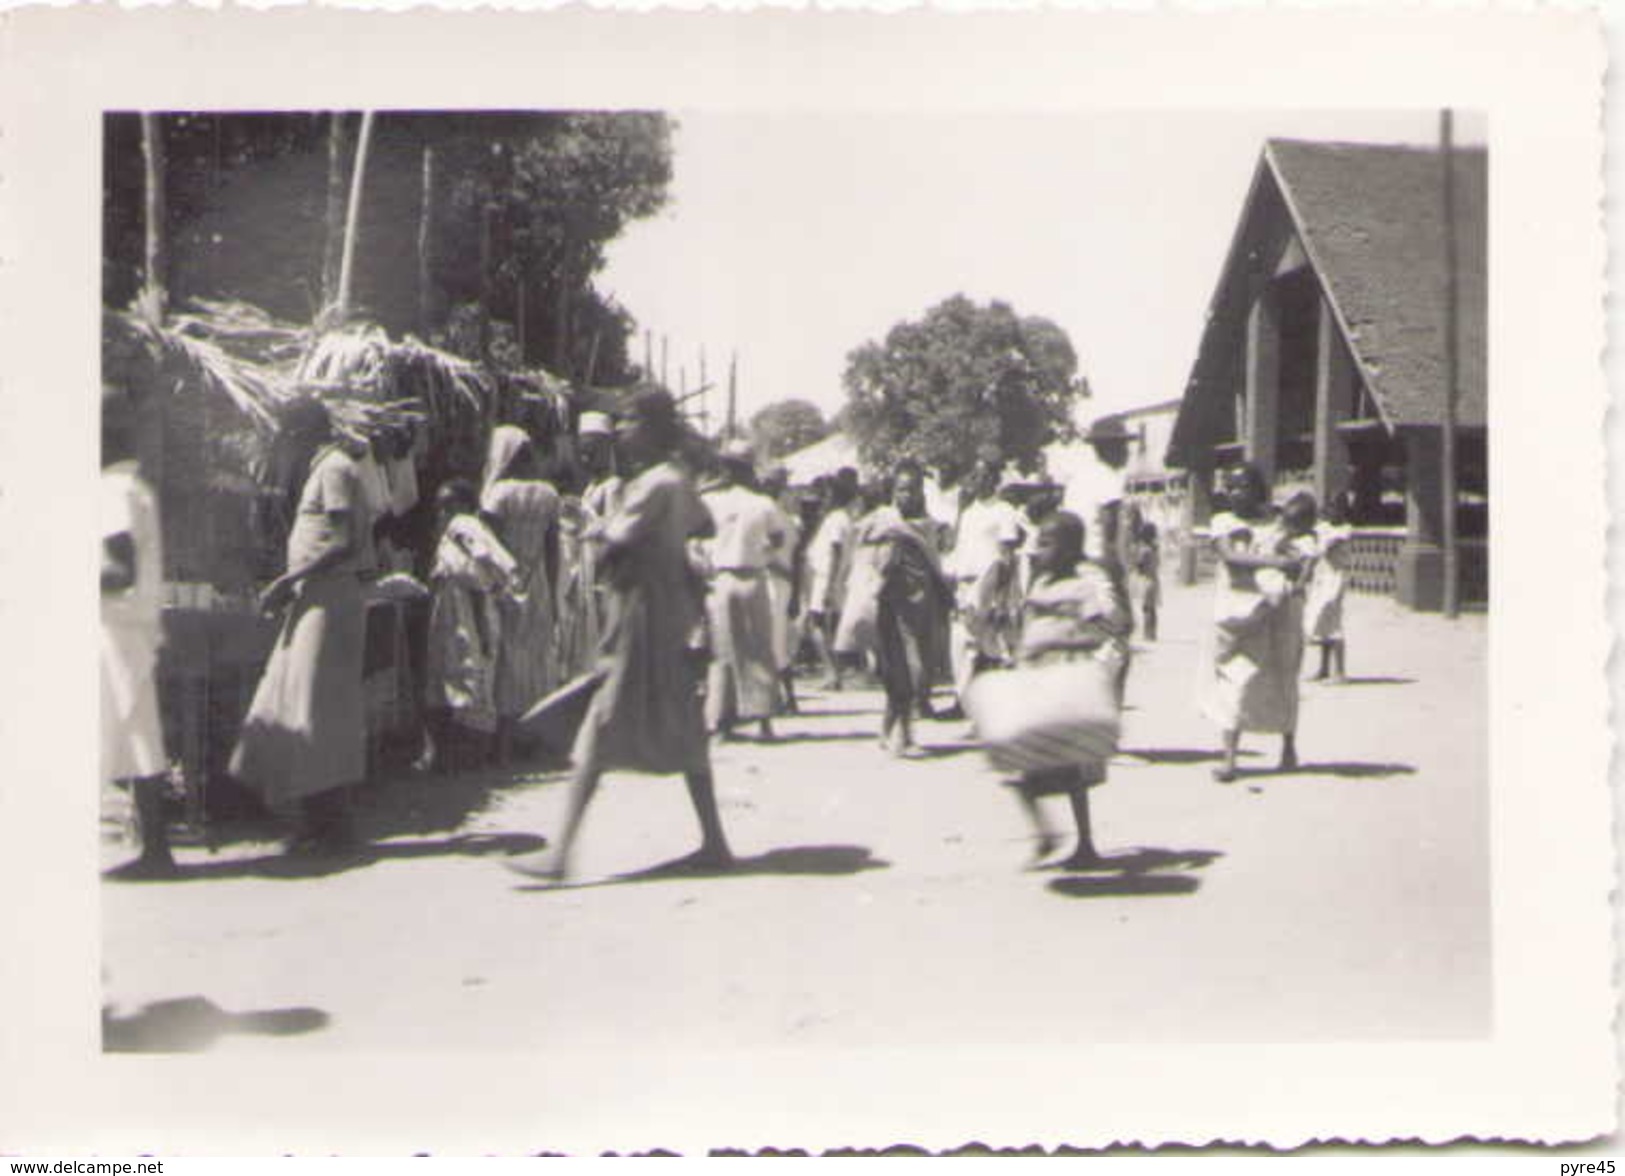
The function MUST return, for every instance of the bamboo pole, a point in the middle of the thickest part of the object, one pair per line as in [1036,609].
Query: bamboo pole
[1447,449]
[156,255]
[333,217]
[733,394]
[352,221]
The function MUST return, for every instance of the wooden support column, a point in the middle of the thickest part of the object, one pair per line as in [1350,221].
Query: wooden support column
[1263,382]
[1334,392]
[1419,575]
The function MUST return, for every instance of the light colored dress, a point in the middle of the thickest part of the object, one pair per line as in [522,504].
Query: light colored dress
[132,633]
[743,678]
[306,728]
[1328,583]
[781,589]
[524,513]
[1250,665]
[471,570]
[646,716]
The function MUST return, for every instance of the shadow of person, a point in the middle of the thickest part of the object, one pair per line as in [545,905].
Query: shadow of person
[1375,681]
[1123,885]
[798,861]
[1353,771]
[191,1024]
[292,867]
[823,737]
[1145,860]
[1179,755]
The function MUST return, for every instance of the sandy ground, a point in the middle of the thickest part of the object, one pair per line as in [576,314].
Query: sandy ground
[880,902]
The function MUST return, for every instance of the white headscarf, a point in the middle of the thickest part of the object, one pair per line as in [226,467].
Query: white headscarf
[507,442]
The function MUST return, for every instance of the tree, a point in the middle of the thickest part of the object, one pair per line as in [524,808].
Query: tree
[964,380]
[786,426]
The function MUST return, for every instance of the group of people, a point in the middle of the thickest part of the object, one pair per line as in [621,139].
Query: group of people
[674,593]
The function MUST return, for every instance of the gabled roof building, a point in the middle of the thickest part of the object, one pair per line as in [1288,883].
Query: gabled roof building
[1325,355]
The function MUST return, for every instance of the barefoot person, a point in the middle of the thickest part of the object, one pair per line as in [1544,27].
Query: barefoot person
[1323,596]
[304,740]
[646,716]
[1073,613]
[1251,675]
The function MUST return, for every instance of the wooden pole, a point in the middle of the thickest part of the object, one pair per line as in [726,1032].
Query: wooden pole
[665,381]
[648,354]
[733,394]
[592,357]
[333,220]
[1447,448]
[425,246]
[156,259]
[352,221]
[705,397]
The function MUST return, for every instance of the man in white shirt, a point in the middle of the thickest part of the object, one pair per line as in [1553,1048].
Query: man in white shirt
[743,681]
[984,569]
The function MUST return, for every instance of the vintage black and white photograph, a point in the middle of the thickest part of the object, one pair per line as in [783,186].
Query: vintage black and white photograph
[1049,540]
[665,579]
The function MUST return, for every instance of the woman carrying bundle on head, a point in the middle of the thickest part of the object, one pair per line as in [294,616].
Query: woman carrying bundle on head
[1055,716]
[523,511]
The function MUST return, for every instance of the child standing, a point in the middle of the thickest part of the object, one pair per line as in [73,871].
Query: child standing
[1323,600]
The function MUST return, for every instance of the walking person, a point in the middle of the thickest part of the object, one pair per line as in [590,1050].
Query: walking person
[986,576]
[646,715]
[781,583]
[132,578]
[523,511]
[1074,616]
[743,684]
[1250,674]
[580,592]
[304,740]
[913,602]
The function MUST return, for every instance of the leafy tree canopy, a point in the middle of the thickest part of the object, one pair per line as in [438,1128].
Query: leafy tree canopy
[786,426]
[965,380]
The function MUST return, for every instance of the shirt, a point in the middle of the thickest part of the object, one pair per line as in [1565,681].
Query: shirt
[750,529]
[333,486]
[984,527]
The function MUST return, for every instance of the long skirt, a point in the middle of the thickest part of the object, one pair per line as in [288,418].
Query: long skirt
[743,680]
[461,672]
[780,588]
[646,716]
[527,660]
[306,729]
[132,736]
[1250,669]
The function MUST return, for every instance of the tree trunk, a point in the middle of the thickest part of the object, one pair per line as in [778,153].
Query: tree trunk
[156,292]
[519,331]
[561,314]
[352,223]
[426,291]
[333,239]
[485,281]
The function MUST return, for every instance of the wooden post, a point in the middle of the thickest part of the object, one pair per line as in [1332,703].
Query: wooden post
[592,357]
[733,393]
[1447,447]
[352,223]
[425,247]
[333,221]
[664,371]
[519,320]
[156,293]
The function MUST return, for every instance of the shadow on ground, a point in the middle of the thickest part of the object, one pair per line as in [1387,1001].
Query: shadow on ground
[293,866]
[1353,771]
[1136,873]
[796,861]
[1180,755]
[191,1024]
[1374,681]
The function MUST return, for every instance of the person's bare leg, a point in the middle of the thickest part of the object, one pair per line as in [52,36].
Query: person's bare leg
[1045,841]
[1084,855]
[713,852]
[1226,771]
[1289,751]
[1339,667]
[554,863]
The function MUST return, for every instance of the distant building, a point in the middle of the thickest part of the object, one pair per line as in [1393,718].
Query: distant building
[1324,358]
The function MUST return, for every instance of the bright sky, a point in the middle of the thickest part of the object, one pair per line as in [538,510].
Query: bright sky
[792,239]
